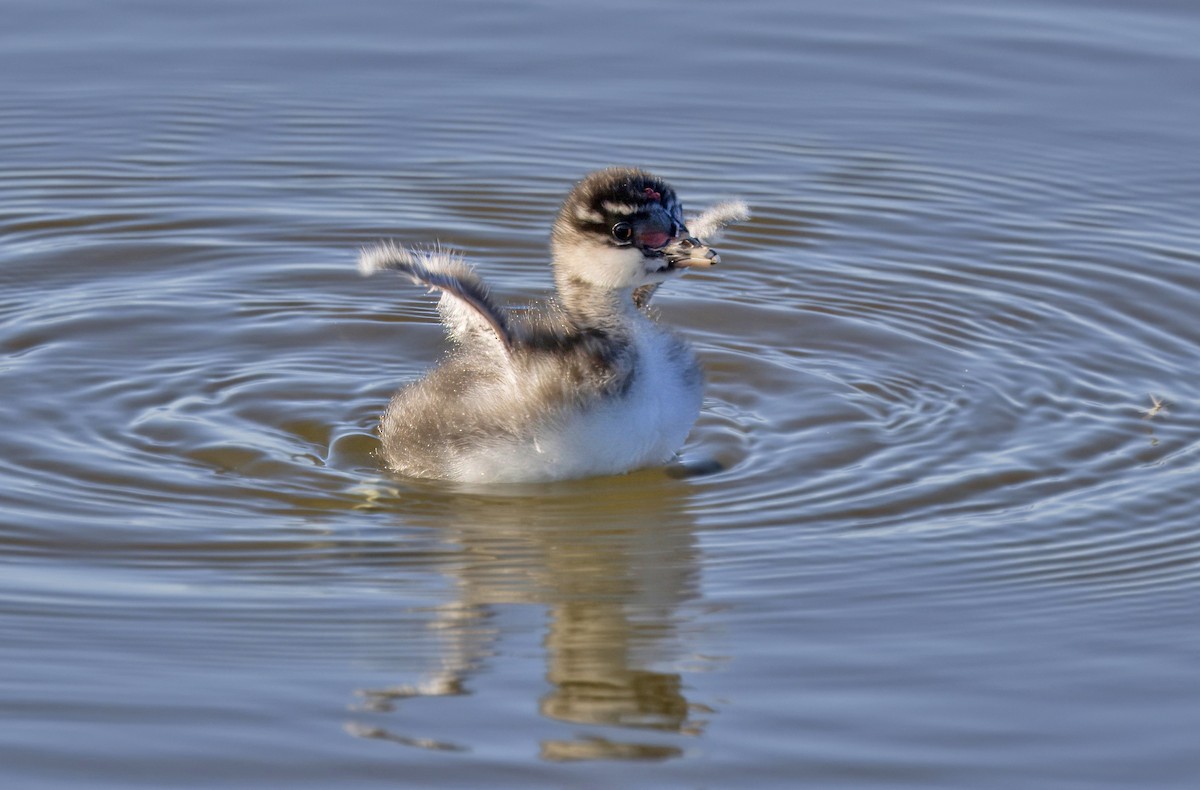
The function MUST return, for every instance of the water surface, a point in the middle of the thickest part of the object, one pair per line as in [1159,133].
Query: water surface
[953,541]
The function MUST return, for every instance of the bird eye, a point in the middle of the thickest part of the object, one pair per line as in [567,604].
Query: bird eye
[622,231]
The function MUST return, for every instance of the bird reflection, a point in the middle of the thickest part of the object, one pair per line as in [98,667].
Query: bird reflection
[613,565]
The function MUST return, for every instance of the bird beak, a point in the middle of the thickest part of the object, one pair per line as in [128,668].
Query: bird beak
[685,251]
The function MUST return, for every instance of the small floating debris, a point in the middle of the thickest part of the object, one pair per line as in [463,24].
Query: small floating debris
[1159,407]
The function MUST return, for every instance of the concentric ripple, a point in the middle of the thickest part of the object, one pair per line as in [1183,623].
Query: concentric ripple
[936,520]
[889,344]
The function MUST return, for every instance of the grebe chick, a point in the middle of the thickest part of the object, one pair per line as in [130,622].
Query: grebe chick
[591,384]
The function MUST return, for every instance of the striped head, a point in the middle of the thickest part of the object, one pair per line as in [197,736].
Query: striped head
[623,228]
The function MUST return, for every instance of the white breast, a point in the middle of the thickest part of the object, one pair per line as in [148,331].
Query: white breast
[645,427]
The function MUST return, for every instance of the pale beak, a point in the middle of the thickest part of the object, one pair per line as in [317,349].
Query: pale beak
[685,252]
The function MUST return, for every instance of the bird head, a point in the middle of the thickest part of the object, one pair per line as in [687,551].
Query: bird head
[623,228]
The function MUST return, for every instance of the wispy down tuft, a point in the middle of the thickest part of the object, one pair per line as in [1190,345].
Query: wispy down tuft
[708,225]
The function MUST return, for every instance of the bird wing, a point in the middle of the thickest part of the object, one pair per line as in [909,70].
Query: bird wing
[643,294]
[708,224]
[466,306]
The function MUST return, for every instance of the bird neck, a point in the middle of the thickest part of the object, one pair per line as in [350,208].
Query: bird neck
[591,307]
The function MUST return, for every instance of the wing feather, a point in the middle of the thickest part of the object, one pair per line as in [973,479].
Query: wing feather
[707,225]
[466,306]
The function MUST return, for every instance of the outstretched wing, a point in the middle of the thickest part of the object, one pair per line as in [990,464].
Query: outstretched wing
[708,225]
[466,306]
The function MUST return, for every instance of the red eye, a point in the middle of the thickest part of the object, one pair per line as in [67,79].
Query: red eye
[622,232]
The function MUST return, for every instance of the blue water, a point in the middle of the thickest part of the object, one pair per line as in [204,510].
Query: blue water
[952,542]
